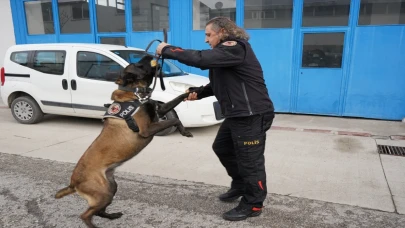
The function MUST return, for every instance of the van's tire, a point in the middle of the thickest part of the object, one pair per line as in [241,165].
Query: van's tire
[170,115]
[26,110]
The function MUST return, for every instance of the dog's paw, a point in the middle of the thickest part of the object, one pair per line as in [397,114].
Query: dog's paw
[187,134]
[110,216]
[116,215]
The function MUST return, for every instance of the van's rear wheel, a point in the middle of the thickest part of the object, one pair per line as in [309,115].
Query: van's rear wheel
[170,115]
[26,110]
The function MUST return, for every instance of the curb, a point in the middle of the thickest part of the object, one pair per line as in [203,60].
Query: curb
[347,133]
[323,131]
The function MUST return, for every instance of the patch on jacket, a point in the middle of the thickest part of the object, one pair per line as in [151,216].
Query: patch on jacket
[176,50]
[229,43]
[251,143]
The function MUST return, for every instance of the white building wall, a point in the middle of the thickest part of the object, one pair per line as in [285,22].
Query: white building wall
[7,37]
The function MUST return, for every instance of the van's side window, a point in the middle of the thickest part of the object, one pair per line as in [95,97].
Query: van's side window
[97,66]
[50,62]
[20,57]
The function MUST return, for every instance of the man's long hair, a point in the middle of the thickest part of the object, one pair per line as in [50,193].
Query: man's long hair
[230,29]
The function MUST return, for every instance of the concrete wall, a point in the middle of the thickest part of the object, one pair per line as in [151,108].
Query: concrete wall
[7,38]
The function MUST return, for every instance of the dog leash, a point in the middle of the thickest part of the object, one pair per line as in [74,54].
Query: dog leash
[162,85]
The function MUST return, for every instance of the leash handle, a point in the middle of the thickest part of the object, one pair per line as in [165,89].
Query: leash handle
[159,72]
[165,35]
[150,44]
[162,84]
[164,40]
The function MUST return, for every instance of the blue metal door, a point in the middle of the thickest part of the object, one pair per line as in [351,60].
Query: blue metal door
[320,73]
[322,38]
[111,21]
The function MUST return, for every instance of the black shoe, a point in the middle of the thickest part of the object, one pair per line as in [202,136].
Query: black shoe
[241,213]
[231,195]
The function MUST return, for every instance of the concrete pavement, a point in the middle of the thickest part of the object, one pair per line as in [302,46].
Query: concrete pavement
[320,158]
[343,126]
[29,184]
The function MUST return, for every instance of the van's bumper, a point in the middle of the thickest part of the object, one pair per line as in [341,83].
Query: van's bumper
[198,113]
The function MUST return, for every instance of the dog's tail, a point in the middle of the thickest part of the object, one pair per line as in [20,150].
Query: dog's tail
[65,191]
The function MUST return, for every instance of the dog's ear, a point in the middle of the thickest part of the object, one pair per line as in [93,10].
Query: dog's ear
[119,80]
[146,60]
[133,72]
[133,68]
[149,63]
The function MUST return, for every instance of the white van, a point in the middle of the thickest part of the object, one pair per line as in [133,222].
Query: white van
[78,79]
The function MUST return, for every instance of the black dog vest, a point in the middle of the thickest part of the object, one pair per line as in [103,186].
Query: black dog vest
[124,110]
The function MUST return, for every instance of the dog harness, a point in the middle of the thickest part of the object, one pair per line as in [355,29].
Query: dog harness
[124,110]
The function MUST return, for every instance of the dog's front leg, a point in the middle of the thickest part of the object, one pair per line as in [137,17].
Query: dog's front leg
[160,126]
[166,107]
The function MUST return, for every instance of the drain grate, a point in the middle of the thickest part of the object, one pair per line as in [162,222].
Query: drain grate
[391,150]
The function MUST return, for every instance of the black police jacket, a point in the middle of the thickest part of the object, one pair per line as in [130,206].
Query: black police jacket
[236,76]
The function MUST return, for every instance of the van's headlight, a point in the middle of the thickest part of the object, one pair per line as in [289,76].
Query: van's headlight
[180,87]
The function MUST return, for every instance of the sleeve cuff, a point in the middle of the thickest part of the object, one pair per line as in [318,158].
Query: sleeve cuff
[165,48]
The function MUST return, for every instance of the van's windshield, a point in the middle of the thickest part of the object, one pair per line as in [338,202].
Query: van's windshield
[131,56]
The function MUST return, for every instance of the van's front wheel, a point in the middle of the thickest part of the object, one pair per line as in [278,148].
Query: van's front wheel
[26,110]
[170,115]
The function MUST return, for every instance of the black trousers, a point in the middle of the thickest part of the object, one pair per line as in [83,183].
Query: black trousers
[239,145]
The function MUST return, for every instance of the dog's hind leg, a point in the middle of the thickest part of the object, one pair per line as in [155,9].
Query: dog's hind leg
[101,202]
[182,130]
[111,216]
[113,190]
[97,198]
[88,215]
[103,214]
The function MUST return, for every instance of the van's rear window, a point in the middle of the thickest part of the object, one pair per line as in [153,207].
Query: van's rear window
[20,57]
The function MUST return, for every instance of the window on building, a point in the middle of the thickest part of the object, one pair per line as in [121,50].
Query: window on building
[113,40]
[50,62]
[268,14]
[382,12]
[120,6]
[110,15]
[323,50]
[204,10]
[39,17]
[150,15]
[97,67]
[20,57]
[80,10]
[326,13]
[74,16]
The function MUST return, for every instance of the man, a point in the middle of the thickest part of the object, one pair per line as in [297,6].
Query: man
[236,80]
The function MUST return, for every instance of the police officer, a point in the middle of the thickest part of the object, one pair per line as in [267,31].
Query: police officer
[236,80]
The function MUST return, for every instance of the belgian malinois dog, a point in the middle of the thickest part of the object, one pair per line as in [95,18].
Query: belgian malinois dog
[93,176]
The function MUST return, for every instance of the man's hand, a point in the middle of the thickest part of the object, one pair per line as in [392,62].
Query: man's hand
[160,47]
[194,91]
[191,97]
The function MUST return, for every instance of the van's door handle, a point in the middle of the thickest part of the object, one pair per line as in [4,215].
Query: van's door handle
[64,84]
[73,84]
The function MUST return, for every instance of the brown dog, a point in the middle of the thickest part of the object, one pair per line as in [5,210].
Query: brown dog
[93,176]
